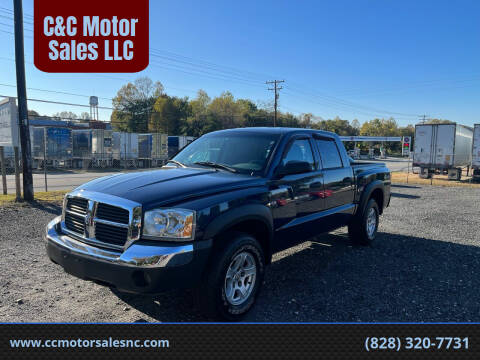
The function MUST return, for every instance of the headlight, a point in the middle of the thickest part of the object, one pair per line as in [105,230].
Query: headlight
[169,224]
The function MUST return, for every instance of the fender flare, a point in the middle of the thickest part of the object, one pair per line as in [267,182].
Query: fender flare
[367,192]
[242,213]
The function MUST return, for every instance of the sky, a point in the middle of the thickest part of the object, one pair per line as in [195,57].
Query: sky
[357,59]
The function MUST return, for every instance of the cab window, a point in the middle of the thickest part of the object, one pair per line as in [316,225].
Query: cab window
[300,150]
[329,153]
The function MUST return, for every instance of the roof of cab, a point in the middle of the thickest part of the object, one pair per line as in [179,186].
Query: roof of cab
[275,130]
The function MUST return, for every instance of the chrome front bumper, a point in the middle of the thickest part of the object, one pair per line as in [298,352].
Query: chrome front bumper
[138,255]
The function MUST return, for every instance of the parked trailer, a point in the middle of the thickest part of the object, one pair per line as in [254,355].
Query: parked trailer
[102,144]
[144,150]
[177,143]
[125,148]
[159,147]
[58,151]
[82,148]
[476,152]
[444,147]
[152,149]
[9,155]
[102,148]
[144,146]
[82,143]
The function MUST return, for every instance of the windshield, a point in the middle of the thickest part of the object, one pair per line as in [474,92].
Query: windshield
[244,152]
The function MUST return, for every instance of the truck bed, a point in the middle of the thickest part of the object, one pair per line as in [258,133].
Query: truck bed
[361,166]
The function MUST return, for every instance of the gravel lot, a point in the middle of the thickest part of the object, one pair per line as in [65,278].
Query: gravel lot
[425,266]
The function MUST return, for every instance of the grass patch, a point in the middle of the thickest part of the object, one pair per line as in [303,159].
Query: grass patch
[438,180]
[51,196]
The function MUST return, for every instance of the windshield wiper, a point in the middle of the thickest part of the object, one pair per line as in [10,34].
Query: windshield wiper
[215,165]
[176,163]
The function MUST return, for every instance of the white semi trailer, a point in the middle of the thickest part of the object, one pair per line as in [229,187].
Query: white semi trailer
[125,146]
[444,147]
[476,152]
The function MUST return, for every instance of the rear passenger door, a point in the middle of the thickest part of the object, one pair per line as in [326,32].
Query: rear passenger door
[338,177]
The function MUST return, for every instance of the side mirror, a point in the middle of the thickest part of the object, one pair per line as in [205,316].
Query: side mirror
[294,167]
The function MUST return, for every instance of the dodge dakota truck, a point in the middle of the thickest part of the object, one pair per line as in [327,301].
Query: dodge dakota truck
[212,217]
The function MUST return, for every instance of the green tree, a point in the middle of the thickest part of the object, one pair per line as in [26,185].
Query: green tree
[134,103]
[408,130]
[380,127]
[196,121]
[169,115]
[338,126]
[33,113]
[227,110]
[288,120]
[356,125]
[438,121]
[306,120]
[384,127]
[199,105]
[65,115]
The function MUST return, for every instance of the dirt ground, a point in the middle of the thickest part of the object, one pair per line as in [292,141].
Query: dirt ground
[423,267]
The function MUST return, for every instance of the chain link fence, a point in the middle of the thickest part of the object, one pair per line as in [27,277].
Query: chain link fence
[63,159]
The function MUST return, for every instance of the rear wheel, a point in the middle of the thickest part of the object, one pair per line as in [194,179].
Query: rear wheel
[363,229]
[232,282]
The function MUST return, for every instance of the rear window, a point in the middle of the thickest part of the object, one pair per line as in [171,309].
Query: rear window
[329,153]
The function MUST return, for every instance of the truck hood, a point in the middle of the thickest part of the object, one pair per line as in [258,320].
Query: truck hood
[167,185]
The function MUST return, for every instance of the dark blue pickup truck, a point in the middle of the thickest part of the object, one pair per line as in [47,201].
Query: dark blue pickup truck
[214,215]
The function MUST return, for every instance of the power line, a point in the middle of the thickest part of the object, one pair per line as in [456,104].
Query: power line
[208,67]
[248,75]
[198,70]
[10,18]
[191,66]
[329,104]
[349,103]
[204,74]
[56,92]
[233,70]
[9,25]
[11,33]
[414,85]
[62,103]
[4,9]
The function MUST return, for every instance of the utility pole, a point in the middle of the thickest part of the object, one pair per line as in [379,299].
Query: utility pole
[22,102]
[423,118]
[275,88]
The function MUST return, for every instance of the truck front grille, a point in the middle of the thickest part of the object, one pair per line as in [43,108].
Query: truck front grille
[75,223]
[100,223]
[78,205]
[112,213]
[111,234]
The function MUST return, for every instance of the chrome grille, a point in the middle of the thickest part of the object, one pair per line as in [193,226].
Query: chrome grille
[103,220]
[112,213]
[111,234]
[75,223]
[77,205]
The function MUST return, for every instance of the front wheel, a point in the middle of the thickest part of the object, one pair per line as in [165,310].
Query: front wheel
[363,228]
[232,282]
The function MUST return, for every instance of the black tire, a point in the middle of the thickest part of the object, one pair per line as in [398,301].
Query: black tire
[358,228]
[211,296]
